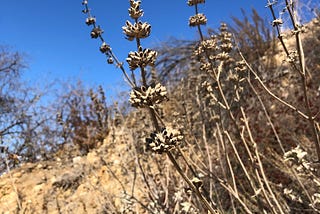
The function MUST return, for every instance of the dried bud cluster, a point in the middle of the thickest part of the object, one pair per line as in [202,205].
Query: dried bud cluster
[147,97]
[96,32]
[164,141]
[216,48]
[198,19]
[137,30]
[296,155]
[225,39]
[134,11]
[206,67]
[208,45]
[90,21]
[194,2]
[141,58]
[299,157]
[240,66]
[104,48]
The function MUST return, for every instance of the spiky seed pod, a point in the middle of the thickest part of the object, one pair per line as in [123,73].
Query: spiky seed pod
[198,19]
[137,30]
[104,48]
[194,2]
[90,21]
[96,32]
[164,141]
[134,11]
[146,97]
[141,58]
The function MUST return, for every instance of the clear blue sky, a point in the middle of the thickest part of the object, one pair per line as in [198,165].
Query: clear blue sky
[57,41]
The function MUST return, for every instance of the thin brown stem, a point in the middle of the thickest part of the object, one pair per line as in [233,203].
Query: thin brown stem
[260,167]
[301,69]
[271,93]
[189,182]
[267,115]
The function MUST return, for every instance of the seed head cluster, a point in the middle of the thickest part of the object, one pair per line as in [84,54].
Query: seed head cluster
[194,2]
[96,32]
[137,30]
[215,48]
[207,45]
[141,58]
[198,19]
[164,141]
[134,11]
[147,97]
[90,21]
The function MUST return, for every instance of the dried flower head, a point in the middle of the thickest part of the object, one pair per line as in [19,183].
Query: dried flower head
[163,141]
[206,67]
[146,97]
[104,48]
[208,45]
[90,21]
[240,66]
[134,11]
[141,58]
[226,47]
[96,32]
[198,19]
[223,27]
[225,38]
[296,155]
[110,60]
[193,2]
[137,30]
[294,196]
[223,56]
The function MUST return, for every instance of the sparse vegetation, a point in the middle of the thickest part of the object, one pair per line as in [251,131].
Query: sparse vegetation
[226,124]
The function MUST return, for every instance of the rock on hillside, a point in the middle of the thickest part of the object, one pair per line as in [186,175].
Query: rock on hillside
[87,184]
